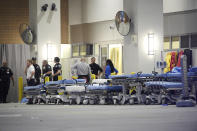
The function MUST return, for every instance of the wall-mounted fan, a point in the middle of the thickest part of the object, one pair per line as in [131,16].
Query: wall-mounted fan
[123,23]
[26,33]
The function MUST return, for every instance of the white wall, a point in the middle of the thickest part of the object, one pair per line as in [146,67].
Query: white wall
[150,20]
[130,50]
[100,31]
[48,29]
[88,11]
[178,5]
[75,12]
[94,32]
[147,16]
[100,10]
[177,24]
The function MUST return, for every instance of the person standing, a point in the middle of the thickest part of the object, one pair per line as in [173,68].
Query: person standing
[56,69]
[109,69]
[30,72]
[83,70]
[5,75]
[46,70]
[37,71]
[95,68]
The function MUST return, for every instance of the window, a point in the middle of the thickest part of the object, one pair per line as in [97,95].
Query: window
[194,40]
[89,49]
[82,50]
[185,41]
[166,44]
[175,42]
[75,50]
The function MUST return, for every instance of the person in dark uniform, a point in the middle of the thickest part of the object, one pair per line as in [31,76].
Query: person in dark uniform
[5,75]
[56,69]
[95,68]
[46,70]
[37,71]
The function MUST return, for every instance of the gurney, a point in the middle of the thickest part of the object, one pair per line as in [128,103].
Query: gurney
[38,87]
[101,94]
[35,94]
[163,92]
[75,88]
[101,81]
[138,75]
[54,82]
[177,77]
[74,81]
[104,87]
[165,84]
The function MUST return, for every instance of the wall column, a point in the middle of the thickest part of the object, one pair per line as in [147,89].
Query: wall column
[47,29]
[147,17]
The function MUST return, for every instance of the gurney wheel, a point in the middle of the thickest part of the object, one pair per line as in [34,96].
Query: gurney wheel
[92,102]
[34,101]
[85,102]
[58,101]
[123,100]
[102,101]
[71,101]
[47,101]
[148,101]
[163,101]
[30,101]
[39,101]
[78,100]
[115,101]
[131,101]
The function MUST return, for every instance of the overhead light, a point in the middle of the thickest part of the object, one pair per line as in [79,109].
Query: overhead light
[53,7]
[44,7]
[151,44]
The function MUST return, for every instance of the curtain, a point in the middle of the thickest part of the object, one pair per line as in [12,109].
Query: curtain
[16,56]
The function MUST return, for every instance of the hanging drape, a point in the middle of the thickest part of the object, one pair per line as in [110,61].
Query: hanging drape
[16,56]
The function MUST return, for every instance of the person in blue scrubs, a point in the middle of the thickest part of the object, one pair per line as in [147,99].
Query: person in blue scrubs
[109,69]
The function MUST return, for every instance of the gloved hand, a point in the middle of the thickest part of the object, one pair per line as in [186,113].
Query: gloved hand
[43,75]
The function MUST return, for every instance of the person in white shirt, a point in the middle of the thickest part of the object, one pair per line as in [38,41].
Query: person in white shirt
[30,72]
[83,70]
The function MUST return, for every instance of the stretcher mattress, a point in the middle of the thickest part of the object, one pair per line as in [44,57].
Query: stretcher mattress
[177,75]
[33,87]
[164,84]
[54,82]
[80,81]
[69,82]
[75,88]
[131,76]
[100,81]
[105,87]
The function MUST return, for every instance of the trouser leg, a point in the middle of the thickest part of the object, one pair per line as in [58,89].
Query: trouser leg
[4,92]
[31,82]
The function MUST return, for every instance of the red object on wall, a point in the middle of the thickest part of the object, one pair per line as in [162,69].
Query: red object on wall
[173,60]
[179,59]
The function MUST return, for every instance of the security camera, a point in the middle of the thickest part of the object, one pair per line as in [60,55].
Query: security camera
[44,7]
[53,7]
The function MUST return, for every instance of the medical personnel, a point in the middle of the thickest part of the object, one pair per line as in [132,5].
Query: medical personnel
[110,69]
[57,69]
[5,75]
[37,71]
